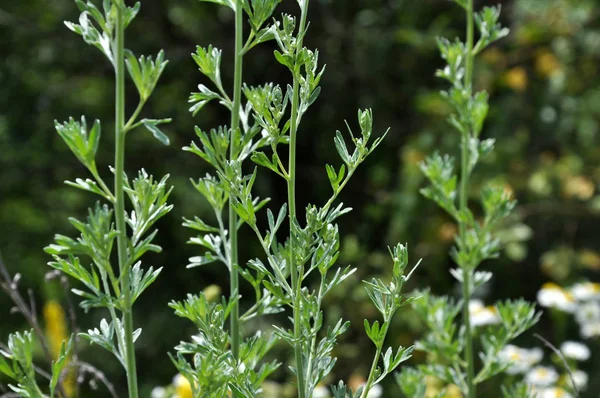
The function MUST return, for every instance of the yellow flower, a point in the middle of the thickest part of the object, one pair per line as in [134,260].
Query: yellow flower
[579,187]
[412,156]
[516,78]
[447,231]
[432,386]
[212,293]
[57,333]
[493,56]
[452,391]
[590,259]
[546,64]
[183,388]
[356,381]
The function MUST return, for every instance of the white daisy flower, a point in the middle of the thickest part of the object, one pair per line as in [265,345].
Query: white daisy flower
[158,392]
[590,330]
[321,392]
[481,315]
[581,379]
[551,392]
[180,380]
[520,359]
[553,296]
[541,376]
[586,291]
[376,391]
[575,350]
[588,313]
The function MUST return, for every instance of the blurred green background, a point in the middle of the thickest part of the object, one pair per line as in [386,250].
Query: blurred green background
[544,83]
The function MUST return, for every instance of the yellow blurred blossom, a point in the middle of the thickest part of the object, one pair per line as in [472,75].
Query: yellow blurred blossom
[590,259]
[508,190]
[516,78]
[212,293]
[356,381]
[412,156]
[57,333]
[447,231]
[433,386]
[452,391]
[579,187]
[546,64]
[183,388]
[492,55]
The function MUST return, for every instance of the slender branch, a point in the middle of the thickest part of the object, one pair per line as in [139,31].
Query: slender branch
[338,191]
[98,374]
[371,378]
[296,280]
[130,123]
[562,358]
[234,316]
[464,184]
[119,50]
[313,343]
[102,184]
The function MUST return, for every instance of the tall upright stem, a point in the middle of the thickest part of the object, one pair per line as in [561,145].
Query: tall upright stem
[373,370]
[235,124]
[295,272]
[119,52]
[464,184]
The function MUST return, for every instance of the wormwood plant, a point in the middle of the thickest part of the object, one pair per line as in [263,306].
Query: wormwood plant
[16,362]
[89,257]
[311,247]
[66,370]
[452,348]
[225,362]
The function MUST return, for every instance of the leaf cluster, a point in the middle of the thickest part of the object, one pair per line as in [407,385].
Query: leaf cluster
[17,364]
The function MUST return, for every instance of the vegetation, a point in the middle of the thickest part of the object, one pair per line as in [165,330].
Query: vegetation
[290,319]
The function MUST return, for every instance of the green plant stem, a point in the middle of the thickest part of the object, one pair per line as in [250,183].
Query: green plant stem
[119,49]
[371,378]
[464,184]
[234,316]
[291,185]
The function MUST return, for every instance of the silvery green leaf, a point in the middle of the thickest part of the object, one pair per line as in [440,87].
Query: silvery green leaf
[82,143]
[89,186]
[131,13]
[60,363]
[104,337]
[145,72]
[139,280]
[152,126]
[201,98]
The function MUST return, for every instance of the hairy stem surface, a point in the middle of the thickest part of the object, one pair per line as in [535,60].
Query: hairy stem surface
[119,50]
[295,272]
[233,235]
[464,184]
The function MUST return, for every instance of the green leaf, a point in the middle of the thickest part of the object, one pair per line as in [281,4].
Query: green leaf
[152,126]
[341,148]
[145,72]
[5,367]
[284,59]
[89,186]
[60,363]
